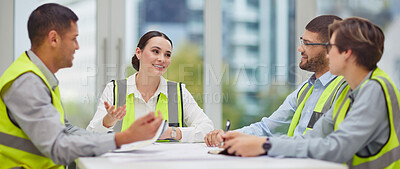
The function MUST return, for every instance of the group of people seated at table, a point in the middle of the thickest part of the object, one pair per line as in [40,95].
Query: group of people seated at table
[346,112]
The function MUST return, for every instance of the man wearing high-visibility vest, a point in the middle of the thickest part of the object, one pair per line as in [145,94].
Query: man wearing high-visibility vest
[33,130]
[303,107]
[363,127]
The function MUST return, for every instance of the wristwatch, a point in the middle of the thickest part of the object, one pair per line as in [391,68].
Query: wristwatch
[266,146]
[173,133]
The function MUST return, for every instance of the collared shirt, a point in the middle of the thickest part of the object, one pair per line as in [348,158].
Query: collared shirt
[29,103]
[364,130]
[278,123]
[198,123]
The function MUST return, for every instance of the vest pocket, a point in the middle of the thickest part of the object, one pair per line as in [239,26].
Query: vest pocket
[314,118]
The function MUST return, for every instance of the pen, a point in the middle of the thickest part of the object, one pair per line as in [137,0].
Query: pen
[228,124]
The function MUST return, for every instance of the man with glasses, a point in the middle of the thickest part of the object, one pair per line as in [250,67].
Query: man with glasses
[362,127]
[303,107]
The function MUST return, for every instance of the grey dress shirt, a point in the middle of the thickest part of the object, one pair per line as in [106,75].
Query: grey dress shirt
[364,130]
[30,105]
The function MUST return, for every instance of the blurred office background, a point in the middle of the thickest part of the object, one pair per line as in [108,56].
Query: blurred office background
[238,58]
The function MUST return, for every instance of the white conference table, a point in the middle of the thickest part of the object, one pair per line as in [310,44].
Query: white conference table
[194,156]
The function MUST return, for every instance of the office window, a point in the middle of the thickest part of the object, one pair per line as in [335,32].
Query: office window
[258,54]
[385,13]
[257,49]
[182,22]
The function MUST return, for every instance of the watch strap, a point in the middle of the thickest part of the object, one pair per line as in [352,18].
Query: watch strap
[266,146]
[173,133]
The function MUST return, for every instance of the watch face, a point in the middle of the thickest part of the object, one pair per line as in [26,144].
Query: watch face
[173,134]
[267,146]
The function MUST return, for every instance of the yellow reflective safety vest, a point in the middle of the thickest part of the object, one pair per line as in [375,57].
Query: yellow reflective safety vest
[389,155]
[323,105]
[16,149]
[171,107]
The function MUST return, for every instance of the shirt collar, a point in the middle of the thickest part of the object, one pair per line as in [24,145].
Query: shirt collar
[354,92]
[51,78]
[323,80]
[132,88]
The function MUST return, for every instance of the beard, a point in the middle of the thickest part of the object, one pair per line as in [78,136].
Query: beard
[319,62]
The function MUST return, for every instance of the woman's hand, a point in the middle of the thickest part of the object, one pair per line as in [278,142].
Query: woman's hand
[214,138]
[167,134]
[113,115]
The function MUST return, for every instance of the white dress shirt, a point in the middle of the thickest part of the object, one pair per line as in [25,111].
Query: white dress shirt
[194,117]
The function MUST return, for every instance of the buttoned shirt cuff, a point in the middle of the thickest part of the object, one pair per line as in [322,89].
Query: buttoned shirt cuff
[106,143]
[192,134]
[186,132]
[287,147]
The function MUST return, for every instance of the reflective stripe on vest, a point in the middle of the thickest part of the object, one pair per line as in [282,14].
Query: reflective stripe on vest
[16,149]
[389,155]
[19,143]
[171,107]
[323,105]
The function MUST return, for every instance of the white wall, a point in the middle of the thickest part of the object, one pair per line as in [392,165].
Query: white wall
[6,34]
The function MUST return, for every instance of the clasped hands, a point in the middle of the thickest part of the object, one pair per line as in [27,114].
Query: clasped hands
[237,143]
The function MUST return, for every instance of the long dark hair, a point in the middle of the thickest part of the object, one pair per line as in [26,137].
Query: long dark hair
[143,42]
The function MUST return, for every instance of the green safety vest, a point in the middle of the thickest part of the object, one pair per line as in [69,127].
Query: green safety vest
[171,108]
[389,155]
[16,149]
[323,105]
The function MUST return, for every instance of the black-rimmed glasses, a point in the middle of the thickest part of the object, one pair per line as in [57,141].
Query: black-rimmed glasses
[310,44]
[329,47]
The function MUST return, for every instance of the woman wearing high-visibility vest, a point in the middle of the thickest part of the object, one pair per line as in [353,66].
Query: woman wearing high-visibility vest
[147,90]
[34,131]
[363,127]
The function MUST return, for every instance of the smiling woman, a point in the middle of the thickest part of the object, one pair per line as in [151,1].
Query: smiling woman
[154,52]
[147,91]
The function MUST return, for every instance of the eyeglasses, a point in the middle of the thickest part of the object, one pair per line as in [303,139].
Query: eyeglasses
[310,44]
[329,47]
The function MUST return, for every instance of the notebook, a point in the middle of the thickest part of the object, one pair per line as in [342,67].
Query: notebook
[139,144]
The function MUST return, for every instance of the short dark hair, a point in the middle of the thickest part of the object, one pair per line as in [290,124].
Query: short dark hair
[47,17]
[320,25]
[143,42]
[364,38]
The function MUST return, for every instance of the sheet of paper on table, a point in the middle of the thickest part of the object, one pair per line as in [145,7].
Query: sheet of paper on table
[168,152]
[140,144]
